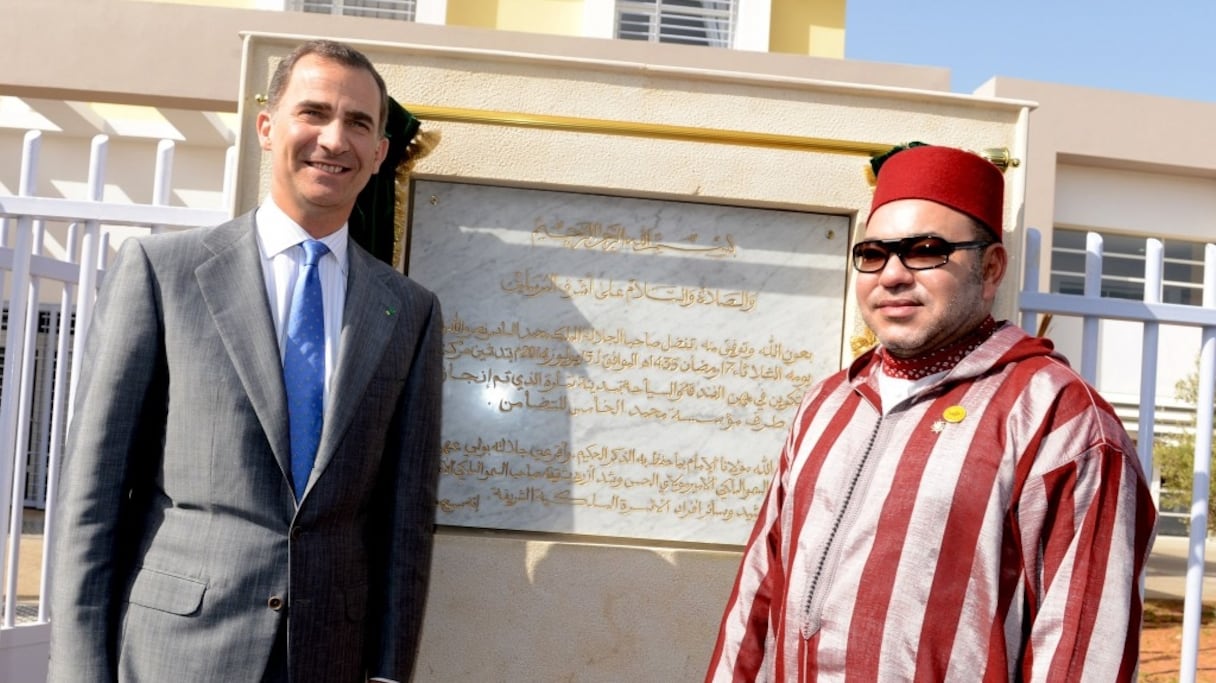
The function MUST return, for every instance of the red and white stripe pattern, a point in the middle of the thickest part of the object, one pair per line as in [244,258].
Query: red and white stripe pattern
[994,527]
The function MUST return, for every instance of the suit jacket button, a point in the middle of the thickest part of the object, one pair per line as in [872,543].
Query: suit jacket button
[296,533]
[275,603]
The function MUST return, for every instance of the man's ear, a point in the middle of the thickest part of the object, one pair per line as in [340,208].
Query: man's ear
[996,261]
[263,127]
[381,152]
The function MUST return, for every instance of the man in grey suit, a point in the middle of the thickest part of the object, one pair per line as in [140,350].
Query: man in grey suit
[187,548]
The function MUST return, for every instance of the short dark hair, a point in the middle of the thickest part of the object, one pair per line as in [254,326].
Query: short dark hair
[979,231]
[333,50]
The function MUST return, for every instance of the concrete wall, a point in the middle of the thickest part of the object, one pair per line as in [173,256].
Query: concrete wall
[1127,164]
[797,26]
[808,28]
[136,60]
[63,169]
[510,606]
[1164,141]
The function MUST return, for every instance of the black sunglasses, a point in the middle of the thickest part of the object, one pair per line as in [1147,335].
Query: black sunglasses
[919,252]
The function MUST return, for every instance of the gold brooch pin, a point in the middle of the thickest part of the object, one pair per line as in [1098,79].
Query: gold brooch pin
[951,415]
[954,414]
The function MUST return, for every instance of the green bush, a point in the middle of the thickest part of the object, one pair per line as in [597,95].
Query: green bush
[1174,455]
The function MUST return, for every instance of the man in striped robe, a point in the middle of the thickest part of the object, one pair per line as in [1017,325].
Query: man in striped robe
[958,504]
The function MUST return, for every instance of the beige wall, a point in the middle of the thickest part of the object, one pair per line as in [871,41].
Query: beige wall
[1120,163]
[1164,141]
[533,606]
[119,68]
[473,13]
[199,68]
[509,607]
[1137,202]
[63,170]
[557,17]
[808,28]
[241,4]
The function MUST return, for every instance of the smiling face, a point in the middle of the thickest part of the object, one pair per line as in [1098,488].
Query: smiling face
[913,312]
[324,141]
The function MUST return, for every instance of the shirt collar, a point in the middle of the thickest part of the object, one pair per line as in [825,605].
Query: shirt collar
[278,233]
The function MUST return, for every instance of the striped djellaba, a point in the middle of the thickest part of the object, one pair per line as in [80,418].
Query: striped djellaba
[994,526]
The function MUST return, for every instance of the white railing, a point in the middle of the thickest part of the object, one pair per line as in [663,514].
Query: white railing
[1152,313]
[54,265]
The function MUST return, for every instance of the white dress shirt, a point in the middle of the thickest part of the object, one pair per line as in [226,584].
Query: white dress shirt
[279,240]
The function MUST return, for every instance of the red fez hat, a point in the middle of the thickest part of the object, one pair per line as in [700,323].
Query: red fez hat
[960,180]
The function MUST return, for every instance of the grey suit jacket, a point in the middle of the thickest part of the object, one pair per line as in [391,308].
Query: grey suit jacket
[180,547]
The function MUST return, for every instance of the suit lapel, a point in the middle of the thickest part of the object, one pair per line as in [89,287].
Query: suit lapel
[368,319]
[234,288]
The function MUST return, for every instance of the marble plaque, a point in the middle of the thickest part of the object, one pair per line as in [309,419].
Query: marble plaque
[618,366]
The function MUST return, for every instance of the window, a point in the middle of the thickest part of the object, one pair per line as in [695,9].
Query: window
[42,385]
[1123,267]
[401,10]
[688,22]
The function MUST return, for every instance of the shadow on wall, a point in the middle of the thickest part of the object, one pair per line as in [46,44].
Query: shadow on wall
[510,609]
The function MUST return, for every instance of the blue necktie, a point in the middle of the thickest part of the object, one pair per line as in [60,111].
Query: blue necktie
[304,366]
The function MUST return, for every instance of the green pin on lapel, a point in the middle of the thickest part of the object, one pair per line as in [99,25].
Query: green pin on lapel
[389,311]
